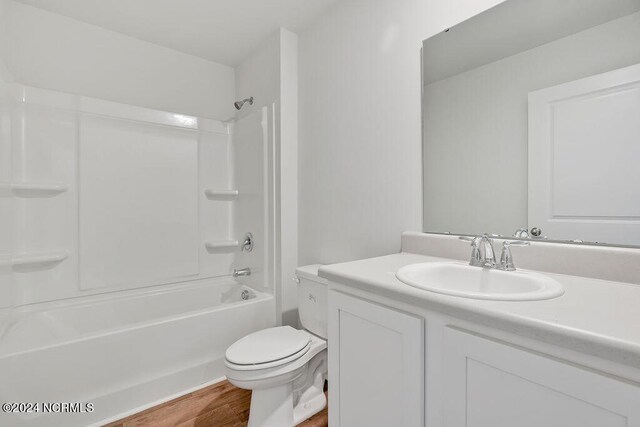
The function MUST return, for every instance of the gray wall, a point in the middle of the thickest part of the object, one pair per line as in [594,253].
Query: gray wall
[475,127]
[360,140]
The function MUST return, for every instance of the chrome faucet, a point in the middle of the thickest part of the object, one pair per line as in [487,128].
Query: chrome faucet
[241,272]
[482,253]
[489,256]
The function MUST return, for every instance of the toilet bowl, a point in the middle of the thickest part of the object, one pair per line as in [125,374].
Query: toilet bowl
[285,367]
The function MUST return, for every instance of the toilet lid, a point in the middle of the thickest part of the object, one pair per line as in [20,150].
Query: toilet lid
[267,345]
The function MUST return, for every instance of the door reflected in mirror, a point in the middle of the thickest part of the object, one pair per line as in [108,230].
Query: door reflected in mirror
[531,115]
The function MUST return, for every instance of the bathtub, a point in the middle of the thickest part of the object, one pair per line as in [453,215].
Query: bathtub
[116,355]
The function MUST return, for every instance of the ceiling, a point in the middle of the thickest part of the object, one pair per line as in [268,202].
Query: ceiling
[224,31]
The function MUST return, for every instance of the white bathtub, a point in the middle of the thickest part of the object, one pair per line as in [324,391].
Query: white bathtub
[123,353]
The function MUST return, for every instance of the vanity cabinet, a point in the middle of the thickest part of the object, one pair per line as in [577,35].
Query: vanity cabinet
[491,384]
[376,364]
[393,364]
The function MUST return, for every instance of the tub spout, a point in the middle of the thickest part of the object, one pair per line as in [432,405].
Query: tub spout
[242,272]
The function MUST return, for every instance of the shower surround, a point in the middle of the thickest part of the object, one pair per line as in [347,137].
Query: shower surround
[121,227]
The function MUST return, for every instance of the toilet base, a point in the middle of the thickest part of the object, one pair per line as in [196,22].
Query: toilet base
[310,396]
[311,407]
[272,407]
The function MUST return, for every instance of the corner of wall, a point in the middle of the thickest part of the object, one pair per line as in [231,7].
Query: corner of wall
[289,172]
[270,75]
[258,75]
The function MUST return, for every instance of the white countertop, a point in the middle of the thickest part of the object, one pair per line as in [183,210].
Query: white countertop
[597,317]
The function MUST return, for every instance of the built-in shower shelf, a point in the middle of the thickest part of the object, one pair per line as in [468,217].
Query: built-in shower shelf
[221,194]
[40,258]
[222,245]
[33,189]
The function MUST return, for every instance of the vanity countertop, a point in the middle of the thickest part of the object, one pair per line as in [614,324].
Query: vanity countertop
[597,317]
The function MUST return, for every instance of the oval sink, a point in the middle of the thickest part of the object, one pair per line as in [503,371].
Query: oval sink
[462,280]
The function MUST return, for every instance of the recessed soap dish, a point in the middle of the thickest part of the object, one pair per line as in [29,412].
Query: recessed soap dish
[221,194]
[34,259]
[222,245]
[32,189]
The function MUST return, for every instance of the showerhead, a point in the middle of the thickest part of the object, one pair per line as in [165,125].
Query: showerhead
[239,104]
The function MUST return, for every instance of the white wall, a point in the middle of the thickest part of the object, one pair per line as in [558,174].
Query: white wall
[258,75]
[270,75]
[479,117]
[360,138]
[4,71]
[51,51]
[6,217]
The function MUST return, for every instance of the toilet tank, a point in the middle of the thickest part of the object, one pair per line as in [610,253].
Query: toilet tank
[312,300]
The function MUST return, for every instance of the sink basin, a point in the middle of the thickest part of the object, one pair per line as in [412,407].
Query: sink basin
[462,280]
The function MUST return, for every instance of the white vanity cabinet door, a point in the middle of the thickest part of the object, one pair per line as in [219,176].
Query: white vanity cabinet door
[376,365]
[489,384]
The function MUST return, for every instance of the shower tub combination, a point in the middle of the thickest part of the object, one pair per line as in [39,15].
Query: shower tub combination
[116,293]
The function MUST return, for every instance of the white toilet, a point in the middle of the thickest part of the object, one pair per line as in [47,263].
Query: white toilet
[285,367]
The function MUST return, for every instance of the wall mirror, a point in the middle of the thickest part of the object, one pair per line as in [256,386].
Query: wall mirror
[531,121]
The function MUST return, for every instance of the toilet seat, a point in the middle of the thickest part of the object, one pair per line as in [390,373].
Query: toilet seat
[268,348]
[262,376]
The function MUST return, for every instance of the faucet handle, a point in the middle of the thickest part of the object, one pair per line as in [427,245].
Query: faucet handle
[467,238]
[476,257]
[247,244]
[506,259]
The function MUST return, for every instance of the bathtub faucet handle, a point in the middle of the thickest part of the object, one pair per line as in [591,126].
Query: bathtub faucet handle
[247,244]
